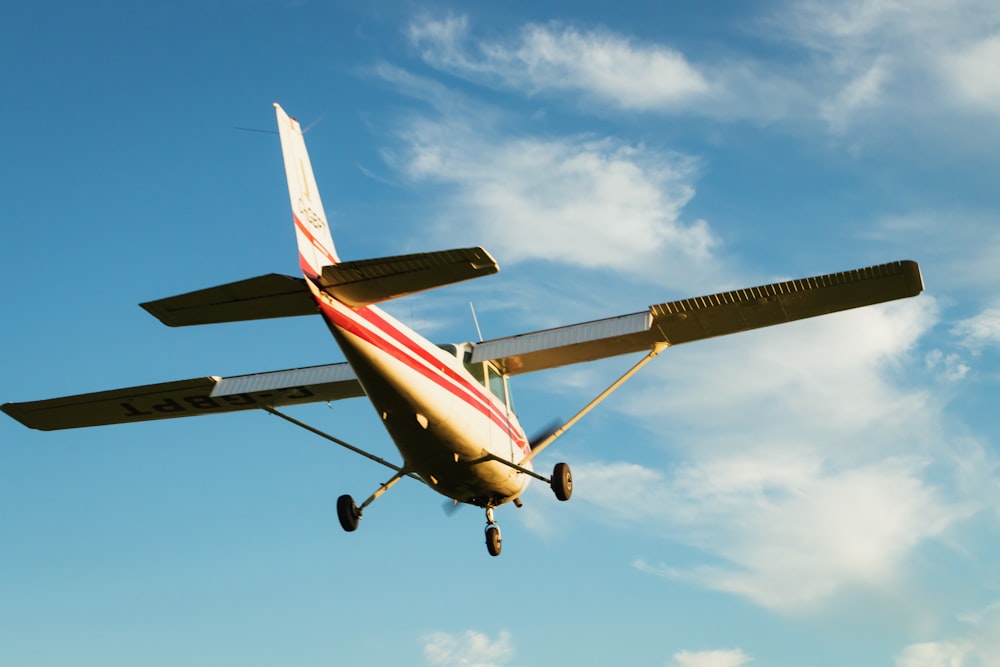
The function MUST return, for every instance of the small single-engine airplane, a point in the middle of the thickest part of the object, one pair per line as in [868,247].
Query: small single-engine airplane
[446,407]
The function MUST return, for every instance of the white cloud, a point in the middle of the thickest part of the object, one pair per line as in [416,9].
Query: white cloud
[972,74]
[469,649]
[908,57]
[598,64]
[819,472]
[977,646]
[980,331]
[933,654]
[830,377]
[792,532]
[863,91]
[578,200]
[872,59]
[948,367]
[727,658]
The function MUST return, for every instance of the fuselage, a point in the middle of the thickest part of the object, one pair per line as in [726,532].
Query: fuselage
[449,419]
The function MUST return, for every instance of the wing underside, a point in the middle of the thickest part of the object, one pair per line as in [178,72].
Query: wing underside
[669,323]
[703,317]
[190,398]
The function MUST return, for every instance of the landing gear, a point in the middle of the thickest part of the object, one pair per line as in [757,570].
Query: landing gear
[493,539]
[562,481]
[348,513]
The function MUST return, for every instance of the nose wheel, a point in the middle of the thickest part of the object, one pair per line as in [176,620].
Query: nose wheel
[493,540]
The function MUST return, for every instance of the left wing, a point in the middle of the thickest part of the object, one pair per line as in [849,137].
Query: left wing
[702,317]
[190,398]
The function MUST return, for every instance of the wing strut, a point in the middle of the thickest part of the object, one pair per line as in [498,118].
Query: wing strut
[400,472]
[657,348]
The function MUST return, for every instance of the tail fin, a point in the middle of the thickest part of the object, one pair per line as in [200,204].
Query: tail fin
[316,248]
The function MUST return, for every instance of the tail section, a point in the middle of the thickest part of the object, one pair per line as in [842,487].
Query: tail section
[316,248]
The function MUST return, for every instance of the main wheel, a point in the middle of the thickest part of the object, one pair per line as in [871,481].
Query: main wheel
[493,541]
[562,481]
[348,513]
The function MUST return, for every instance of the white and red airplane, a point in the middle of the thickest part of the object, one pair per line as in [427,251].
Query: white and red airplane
[446,407]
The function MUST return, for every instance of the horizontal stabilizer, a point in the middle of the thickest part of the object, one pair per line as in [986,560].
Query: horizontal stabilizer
[703,317]
[260,298]
[369,281]
[190,398]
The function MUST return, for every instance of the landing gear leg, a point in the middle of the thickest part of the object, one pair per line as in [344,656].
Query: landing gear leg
[493,540]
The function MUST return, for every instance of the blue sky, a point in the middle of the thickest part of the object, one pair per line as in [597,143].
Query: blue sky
[819,494]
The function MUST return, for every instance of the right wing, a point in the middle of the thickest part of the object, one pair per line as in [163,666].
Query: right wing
[702,317]
[190,398]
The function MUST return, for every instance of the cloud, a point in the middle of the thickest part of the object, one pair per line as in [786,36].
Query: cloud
[591,202]
[979,645]
[863,91]
[731,658]
[469,649]
[831,377]
[793,532]
[981,331]
[971,72]
[820,473]
[877,60]
[906,57]
[558,58]
[933,654]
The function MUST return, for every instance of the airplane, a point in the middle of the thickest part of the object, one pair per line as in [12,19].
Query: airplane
[447,408]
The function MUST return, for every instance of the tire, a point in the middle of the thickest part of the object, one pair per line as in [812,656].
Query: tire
[348,513]
[562,481]
[493,541]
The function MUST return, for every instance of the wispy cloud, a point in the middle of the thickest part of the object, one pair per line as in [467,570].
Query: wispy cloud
[933,654]
[587,201]
[972,73]
[979,332]
[861,59]
[721,658]
[907,57]
[794,533]
[977,645]
[561,58]
[822,471]
[468,649]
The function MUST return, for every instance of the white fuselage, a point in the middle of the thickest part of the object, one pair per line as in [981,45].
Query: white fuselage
[443,420]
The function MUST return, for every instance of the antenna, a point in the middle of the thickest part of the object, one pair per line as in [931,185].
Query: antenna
[476,320]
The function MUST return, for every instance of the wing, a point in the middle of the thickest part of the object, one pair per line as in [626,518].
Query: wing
[190,398]
[702,317]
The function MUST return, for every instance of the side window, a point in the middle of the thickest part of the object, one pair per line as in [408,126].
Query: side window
[487,376]
[497,384]
[476,370]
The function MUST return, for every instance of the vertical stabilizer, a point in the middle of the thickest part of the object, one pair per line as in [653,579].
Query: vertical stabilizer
[316,248]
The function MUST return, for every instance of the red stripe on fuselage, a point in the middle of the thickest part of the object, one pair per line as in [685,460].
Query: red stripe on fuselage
[419,359]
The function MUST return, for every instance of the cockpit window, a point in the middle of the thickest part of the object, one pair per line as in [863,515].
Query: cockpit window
[488,376]
[497,384]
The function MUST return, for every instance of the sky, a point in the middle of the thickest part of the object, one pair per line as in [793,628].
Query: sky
[819,494]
